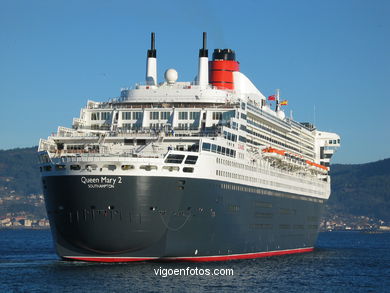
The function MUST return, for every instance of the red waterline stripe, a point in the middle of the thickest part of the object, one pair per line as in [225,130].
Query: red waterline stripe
[242,256]
[193,259]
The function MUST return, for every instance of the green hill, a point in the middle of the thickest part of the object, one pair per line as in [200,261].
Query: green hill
[362,189]
[19,173]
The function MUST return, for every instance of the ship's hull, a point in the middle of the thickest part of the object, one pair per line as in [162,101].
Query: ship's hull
[135,218]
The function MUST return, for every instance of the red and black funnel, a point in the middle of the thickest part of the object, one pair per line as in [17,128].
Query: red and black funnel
[222,67]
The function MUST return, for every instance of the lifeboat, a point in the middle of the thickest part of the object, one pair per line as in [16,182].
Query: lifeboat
[292,161]
[317,167]
[273,153]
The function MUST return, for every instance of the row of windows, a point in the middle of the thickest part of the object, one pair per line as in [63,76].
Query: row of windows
[269,130]
[230,136]
[91,167]
[193,115]
[132,115]
[155,115]
[218,149]
[217,116]
[178,159]
[159,115]
[237,165]
[156,126]
[239,176]
[236,187]
[100,115]
[334,141]
[267,182]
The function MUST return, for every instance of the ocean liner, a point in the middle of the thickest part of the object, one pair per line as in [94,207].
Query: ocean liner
[186,171]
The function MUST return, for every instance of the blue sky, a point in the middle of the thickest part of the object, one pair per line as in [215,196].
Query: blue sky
[331,55]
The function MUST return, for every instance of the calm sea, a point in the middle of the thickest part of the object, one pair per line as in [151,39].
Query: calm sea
[343,262]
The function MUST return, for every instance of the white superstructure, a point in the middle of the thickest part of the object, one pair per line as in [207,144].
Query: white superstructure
[195,129]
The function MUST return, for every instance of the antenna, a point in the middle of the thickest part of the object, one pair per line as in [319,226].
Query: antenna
[277,100]
[152,51]
[152,42]
[151,63]
[204,52]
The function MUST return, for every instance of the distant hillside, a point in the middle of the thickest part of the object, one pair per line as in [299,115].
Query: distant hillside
[18,172]
[361,190]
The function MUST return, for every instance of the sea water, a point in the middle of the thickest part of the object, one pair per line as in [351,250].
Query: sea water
[342,262]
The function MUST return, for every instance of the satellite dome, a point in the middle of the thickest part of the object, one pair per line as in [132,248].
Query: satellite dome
[171,76]
[281,115]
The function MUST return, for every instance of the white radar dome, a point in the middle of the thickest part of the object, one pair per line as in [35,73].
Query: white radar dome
[281,114]
[171,76]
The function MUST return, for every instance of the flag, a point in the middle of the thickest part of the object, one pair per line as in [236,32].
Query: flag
[272,98]
[284,103]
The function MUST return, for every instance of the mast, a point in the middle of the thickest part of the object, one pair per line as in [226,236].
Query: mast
[151,64]
[203,68]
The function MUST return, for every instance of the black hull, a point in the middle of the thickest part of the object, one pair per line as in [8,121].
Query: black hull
[166,218]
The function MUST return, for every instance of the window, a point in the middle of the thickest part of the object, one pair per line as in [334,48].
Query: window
[183,115]
[165,115]
[95,116]
[217,115]
[194,115]
[171,168]
[154,115]
[75,167]
[60,167]
[148,167]
[174,159]
[188,169]
[206,147]
[127,167]
[242,139]
[126,115]
[105,116]
[109,167]
[137,115]
[191,160]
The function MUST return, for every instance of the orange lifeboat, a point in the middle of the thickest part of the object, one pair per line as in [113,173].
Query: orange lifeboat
[274,151]
[317,166]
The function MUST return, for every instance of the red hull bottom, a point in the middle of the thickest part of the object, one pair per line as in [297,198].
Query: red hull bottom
[191,259]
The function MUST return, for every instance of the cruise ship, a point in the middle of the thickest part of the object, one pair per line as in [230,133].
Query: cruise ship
[208,170]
